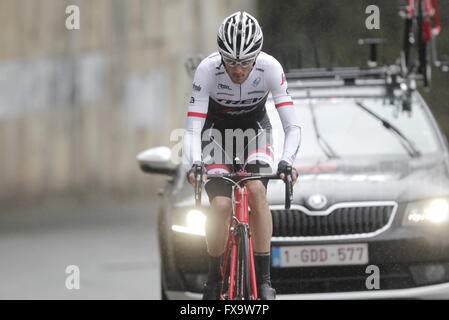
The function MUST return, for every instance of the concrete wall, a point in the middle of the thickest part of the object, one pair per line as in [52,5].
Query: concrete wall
[76,106]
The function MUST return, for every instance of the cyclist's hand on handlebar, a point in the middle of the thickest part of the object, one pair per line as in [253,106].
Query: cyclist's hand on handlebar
[191,173]
[283,167]
[191,178]
[294,176]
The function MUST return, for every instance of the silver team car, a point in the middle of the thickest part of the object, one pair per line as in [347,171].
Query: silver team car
[370,216]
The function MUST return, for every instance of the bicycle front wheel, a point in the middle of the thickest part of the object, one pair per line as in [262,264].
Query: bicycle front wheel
[244,290]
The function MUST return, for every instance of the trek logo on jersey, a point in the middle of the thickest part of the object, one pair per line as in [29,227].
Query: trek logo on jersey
[238,111]
[196,87]
[282,79]
[223,86]
[234,102]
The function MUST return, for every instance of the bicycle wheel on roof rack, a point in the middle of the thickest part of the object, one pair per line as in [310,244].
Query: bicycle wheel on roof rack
[424,67]
[408,41]
[415,53]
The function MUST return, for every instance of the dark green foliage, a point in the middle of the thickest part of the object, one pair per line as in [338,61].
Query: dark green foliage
[324,33]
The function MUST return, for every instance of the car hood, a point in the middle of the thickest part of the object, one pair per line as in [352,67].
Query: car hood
[355,180]
[399,180]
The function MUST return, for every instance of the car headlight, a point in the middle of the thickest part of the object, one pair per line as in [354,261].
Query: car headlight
[434,211]
[194,223]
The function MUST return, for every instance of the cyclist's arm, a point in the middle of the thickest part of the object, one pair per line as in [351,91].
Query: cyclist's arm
[286,110]
[196,115]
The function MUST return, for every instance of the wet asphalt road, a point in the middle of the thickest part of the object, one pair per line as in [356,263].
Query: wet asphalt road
[113,243]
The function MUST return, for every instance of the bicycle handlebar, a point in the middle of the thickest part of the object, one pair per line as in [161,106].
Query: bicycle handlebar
[240,177]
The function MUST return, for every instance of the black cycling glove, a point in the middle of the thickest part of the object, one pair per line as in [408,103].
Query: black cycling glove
[194,167]
[284,167]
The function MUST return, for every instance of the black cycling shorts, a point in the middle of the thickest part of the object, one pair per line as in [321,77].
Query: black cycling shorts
[222,142]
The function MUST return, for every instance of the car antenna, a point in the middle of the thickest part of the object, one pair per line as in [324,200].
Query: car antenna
[316,55]
[372,43]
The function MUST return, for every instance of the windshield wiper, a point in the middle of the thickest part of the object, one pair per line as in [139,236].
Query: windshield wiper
[328,151]
[405,142]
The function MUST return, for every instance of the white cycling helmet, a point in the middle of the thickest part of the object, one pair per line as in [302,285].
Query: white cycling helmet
[239,36]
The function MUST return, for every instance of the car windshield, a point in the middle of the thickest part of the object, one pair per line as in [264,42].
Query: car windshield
[351,131]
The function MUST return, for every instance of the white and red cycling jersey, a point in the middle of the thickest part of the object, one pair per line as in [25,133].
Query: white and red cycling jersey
[215,97]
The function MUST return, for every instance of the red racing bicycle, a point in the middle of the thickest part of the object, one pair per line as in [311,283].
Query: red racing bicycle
[237,269]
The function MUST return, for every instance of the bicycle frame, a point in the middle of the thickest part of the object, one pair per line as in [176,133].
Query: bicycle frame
[239,219]
[239,227]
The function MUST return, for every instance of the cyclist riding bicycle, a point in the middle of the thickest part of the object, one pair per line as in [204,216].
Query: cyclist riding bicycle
[226,120]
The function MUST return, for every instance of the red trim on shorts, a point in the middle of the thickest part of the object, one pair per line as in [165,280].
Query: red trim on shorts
[197,114]
[259,151]
[217,166]
[289,103]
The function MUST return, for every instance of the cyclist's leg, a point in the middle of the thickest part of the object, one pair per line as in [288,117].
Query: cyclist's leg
[260,160]
[217,223]
[261,230]
[219,192]
[217,220]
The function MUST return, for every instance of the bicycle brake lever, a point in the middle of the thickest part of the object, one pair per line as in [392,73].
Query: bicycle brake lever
[288,188]
[198,184]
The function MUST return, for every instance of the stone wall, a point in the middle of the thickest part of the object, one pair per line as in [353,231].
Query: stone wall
[76,106]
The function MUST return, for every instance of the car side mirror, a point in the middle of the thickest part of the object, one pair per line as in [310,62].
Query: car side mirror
[157,160]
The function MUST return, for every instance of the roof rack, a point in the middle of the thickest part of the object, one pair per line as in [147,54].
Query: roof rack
[396,87]
[389,76]
[341,73]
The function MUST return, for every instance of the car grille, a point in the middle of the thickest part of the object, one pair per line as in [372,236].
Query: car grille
[340,221]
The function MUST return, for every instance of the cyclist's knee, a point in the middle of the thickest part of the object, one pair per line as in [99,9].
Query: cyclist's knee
[256,189]
[221,206]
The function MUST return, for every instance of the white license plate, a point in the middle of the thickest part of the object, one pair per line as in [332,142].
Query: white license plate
[320,255]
